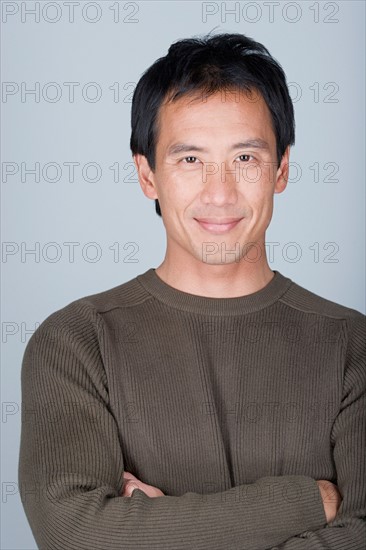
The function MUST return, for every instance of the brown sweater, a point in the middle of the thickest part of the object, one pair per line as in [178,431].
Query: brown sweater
[233,407]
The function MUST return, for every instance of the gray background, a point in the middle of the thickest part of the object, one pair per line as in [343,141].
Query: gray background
[321,48]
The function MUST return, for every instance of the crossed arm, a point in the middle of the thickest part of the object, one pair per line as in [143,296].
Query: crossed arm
[329,492]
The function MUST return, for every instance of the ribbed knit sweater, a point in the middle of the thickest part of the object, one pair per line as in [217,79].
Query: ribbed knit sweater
[233,407]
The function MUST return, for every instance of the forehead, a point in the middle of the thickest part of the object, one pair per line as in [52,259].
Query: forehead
[238,111]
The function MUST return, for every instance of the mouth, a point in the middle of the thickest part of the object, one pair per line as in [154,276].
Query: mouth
[217,227]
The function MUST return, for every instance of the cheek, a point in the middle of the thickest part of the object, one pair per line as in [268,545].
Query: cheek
[259,198]
[257,182]
[260,174]
[252,174]
[179,187]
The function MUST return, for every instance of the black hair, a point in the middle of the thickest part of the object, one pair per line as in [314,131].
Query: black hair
[209,64]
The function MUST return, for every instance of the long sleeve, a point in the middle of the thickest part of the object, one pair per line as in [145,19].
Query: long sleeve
[348,530]
[71,464]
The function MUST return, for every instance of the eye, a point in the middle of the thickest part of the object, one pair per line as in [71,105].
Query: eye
[189,160]
[243,155]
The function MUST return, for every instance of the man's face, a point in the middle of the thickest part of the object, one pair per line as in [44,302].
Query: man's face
[215,162]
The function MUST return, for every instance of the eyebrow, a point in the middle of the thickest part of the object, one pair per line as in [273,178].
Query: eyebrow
[257,143]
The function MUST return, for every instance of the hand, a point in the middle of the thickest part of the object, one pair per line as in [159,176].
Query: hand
[331,498]
[131,482]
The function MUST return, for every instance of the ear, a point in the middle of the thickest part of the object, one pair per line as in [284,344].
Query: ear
[146,176]
[283,172]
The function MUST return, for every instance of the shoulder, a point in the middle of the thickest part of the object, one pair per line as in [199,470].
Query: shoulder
[127,294]
[300,298]
[340,319]
[82,319]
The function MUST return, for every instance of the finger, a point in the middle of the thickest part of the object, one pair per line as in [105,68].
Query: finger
[128,475]
[129,488]
[331,495]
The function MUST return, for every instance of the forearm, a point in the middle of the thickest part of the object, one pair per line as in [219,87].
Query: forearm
[340,535]
[72,514]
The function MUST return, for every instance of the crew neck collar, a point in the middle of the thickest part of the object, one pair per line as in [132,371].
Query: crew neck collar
[205,305]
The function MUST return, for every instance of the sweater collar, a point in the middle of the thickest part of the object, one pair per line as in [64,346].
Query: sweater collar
[204,305]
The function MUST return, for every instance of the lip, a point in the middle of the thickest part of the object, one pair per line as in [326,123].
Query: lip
[218,227]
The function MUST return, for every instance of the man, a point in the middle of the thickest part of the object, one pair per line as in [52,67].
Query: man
[210,403]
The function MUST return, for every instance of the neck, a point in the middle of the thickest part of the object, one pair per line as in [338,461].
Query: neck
[217,281]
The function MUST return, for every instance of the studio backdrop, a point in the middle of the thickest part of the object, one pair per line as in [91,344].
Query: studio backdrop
[74,218]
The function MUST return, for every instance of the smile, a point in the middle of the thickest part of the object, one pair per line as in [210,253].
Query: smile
[217,228]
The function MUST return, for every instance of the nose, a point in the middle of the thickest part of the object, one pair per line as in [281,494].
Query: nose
[219,184]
